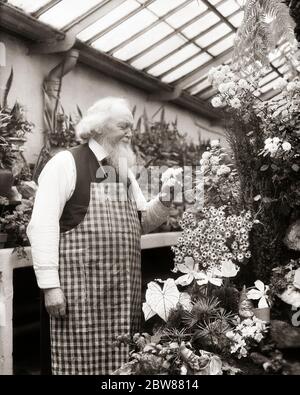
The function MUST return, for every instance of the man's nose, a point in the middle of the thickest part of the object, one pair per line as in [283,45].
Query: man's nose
[129,132]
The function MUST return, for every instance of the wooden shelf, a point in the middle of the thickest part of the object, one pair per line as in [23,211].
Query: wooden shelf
[156,240]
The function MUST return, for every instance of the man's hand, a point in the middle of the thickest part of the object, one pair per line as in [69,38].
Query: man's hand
[172,185]
[55,302]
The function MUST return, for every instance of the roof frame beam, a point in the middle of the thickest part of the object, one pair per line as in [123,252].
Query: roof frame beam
[160,20]
[119,22]
[176,31]
[91,16]
[189,42]
[46,7]
[17,23]
[205,49]
[217,12]
[189,78]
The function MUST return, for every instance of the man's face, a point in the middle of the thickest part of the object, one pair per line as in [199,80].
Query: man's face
[119,127]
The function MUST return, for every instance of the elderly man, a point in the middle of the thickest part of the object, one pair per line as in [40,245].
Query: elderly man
[86,243]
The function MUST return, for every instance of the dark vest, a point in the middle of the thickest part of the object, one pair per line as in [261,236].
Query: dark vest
[87,170]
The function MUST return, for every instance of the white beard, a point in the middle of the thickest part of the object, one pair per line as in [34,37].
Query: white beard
[121,157]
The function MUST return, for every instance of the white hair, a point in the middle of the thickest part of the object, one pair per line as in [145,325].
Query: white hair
[97,116]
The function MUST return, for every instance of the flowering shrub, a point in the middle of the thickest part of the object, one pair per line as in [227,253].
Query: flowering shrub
[264,138]
[161,355]
[15,223]
[285,283]
[213,240]
[245,335]
[280,124]
[219,178]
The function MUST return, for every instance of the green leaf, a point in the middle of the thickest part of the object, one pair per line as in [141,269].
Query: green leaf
[162,300]
[295,167]
[79,111]
[7,87]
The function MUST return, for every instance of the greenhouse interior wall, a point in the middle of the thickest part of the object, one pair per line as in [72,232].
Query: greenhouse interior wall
[82,87]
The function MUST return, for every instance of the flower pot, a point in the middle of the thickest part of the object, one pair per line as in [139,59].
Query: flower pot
[17,143]
[263,314]
[6,182]
[3,239]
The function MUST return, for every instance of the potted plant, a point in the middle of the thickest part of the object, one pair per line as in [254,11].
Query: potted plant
[18,126]
[7,158]
[13,128]
[14,223]
[3,235]
[59,135]
[13,122]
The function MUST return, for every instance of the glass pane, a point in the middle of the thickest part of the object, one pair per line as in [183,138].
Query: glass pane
[109,19]
[174,59]
[124,31]
[161,8]
[279,62]
[157,53]
[192,83]
[213,35]
[29,5]
[222,45]
[284,69]
[65,12]
[199,87]
[144,41]
[268,78]
[187,68]
[268,86]
[237,19]
[228,7]
[201,24]
[186,14]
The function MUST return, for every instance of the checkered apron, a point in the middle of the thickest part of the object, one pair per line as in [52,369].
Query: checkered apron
[100,275]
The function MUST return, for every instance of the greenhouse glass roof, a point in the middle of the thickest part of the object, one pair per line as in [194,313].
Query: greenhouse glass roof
[174,41]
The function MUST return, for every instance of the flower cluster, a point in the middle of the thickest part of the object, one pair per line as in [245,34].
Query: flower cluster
[274,145]
[232,88]
[245,335]
[285,283]
[15,223]
[279,121]
[213,238]
[219,178]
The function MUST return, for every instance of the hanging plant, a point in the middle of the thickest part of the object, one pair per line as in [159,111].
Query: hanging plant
[265,24]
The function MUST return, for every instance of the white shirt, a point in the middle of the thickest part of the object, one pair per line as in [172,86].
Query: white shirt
[56,185]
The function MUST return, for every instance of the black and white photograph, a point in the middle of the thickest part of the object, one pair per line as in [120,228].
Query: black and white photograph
[149,190]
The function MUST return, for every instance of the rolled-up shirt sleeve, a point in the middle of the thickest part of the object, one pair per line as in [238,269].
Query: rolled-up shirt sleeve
[55,186]
[154,213]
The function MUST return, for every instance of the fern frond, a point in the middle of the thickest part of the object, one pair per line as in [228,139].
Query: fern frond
[257,37]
